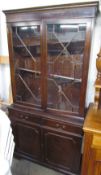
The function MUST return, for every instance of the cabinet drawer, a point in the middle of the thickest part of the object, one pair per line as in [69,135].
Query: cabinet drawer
[63,126]
[23,116]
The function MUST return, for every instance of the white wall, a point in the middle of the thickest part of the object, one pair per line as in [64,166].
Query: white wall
[95,47]
[11,4]
[4,70]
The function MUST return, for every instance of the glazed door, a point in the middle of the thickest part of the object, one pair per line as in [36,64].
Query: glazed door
[67,64]
[26,57]
[50,61]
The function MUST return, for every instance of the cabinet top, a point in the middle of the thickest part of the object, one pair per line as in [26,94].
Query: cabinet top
[71,5]
[88,9]
[92,122]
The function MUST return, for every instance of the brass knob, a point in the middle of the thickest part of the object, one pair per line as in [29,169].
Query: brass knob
[63,126]
[26,117]
[57,125]
[21,116]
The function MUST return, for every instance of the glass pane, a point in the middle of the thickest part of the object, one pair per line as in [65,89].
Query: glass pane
[26,45]
[65,58]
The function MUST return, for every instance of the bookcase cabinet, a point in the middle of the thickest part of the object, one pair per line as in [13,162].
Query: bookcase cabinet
[49,50]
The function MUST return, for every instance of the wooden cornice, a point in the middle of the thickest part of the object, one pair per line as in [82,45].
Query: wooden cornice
[50,7]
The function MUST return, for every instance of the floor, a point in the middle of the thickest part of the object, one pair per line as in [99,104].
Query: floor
[24,167]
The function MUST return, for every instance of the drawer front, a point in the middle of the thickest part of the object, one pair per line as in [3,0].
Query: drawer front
[44,122]
[63,126]
[24,117]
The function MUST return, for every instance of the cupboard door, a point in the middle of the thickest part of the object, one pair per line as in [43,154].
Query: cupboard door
[28,140]
[27,60]
[66,42]
[62,151]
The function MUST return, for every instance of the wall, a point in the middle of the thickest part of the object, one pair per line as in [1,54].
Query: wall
[4,69]
[30,3]
[95,47]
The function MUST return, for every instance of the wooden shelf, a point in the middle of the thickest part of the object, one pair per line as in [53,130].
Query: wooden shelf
[65,77]
[28,70]
[51,75]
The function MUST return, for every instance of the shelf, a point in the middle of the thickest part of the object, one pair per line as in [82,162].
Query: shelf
[29,70]
[51,75]
[50,41]
[28,45]
[53,41]
[66,77]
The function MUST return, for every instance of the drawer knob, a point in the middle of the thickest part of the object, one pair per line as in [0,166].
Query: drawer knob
[26,117]
[57,125]
[63,126]
[21,116]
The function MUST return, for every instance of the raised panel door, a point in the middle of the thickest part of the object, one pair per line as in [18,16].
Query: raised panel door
[28,140]
[62,151]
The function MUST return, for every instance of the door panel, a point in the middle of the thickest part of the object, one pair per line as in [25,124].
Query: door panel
[28,140]
[65,58]
[27,60]
[62,151]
